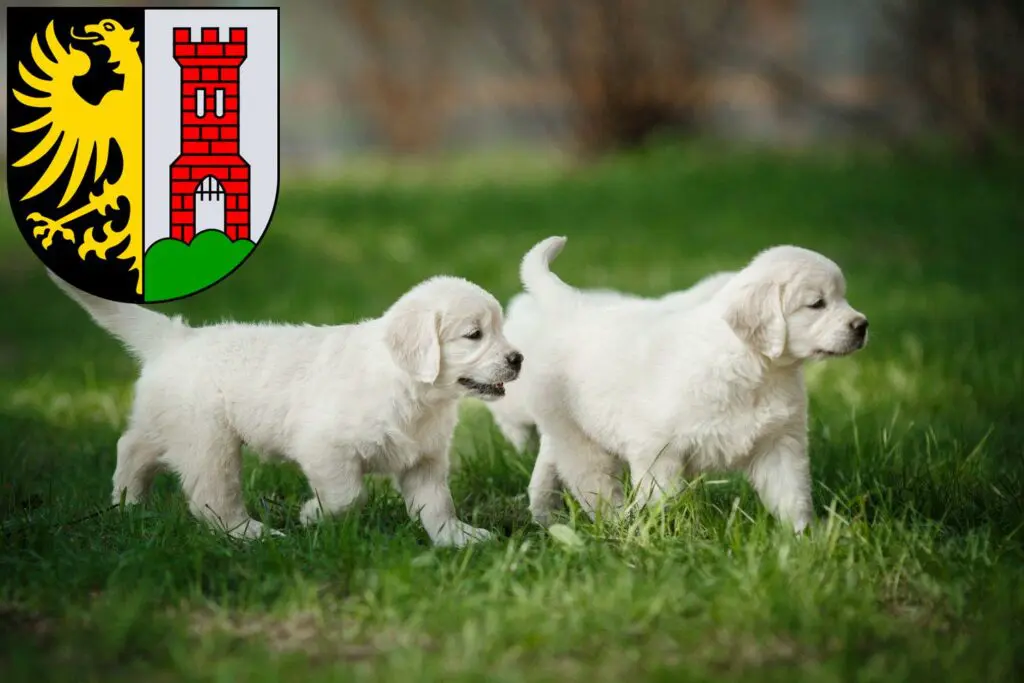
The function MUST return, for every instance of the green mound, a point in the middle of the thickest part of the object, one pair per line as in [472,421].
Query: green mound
[172,269]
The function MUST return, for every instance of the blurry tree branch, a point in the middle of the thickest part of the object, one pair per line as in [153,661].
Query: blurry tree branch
[405,83]
[964,61]
[794,86]
[632,67]
[622,70]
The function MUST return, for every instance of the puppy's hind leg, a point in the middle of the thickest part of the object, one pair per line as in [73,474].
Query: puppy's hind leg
[545,486]
[209,463]
[516,433]
[137,463]
[513,421]
[590,473]
[337,483]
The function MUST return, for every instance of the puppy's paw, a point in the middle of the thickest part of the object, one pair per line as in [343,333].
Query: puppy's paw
[456,534]
[316,510]
[124,496]
[311,512]
[802,525]
[542,514]
[250,528]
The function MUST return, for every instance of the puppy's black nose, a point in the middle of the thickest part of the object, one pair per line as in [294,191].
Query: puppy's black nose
[860,326]
[515,359]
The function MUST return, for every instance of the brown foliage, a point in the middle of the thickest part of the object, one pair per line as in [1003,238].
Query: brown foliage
[405,84]
[632,67]
[965,63]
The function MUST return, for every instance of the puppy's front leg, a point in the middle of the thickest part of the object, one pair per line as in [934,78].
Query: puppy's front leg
[425,489]
[780,472]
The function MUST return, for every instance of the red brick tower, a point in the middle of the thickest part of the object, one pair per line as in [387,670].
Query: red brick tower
[209,132]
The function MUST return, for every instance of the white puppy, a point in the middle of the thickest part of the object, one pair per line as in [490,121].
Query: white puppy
[524,322]
[675,393]
[342,401]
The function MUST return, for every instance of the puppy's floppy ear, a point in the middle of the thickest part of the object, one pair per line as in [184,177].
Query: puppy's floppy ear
[755,314]
[412,339]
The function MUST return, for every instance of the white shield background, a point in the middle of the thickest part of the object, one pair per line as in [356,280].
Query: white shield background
[258,109]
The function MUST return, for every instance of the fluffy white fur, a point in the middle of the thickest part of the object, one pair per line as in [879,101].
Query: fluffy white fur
[342,401]
[524,322]
[674,393]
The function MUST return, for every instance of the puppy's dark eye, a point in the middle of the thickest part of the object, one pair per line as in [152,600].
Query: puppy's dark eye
[474,335]
[817,305]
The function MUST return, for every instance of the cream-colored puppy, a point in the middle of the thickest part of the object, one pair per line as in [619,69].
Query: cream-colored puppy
[342,401]
[523,324]
[672,394]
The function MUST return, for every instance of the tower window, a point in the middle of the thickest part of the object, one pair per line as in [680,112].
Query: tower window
[200,103]
[218,96]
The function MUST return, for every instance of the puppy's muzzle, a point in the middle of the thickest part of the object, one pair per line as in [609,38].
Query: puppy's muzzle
[515,363]
[491,390]
[852,341]
[859,330]
[511,368]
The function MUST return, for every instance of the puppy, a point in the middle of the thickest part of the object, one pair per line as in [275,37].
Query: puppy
[523,324]
[341,401]
[676,393]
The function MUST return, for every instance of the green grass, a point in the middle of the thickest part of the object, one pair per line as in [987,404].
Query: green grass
[915,571]
[173,269]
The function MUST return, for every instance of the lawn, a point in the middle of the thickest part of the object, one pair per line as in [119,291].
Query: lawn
[915,570]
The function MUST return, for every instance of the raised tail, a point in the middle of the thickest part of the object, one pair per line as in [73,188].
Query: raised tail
[143,332]
[536,275]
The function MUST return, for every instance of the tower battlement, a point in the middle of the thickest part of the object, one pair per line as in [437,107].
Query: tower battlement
[210,50]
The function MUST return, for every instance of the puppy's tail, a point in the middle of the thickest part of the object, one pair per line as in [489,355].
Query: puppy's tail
[143,332]
[536,275]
